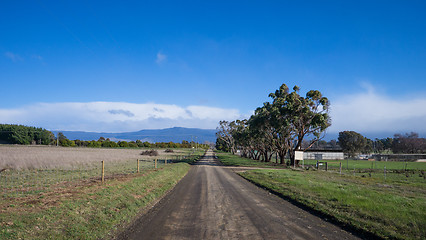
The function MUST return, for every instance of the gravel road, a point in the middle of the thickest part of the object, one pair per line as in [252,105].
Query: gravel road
[212,202]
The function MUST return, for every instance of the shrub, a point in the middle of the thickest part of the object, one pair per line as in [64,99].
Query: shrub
[151,152]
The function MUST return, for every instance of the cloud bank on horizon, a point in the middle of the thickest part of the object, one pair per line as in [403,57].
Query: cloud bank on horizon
[370,112]
[365,112]
[115,116]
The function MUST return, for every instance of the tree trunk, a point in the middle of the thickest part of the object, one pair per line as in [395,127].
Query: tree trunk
[291,154]
[282,157]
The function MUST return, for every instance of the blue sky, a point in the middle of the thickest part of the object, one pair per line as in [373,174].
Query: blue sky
[122,66]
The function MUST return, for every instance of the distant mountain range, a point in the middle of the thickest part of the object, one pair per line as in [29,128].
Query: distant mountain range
[176,134]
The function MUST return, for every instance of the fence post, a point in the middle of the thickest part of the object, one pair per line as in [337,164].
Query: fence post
[138,164]
[317,164]
[103,172]
[385,171]
[340,168]
[165,162]
[326,166]
[155,163]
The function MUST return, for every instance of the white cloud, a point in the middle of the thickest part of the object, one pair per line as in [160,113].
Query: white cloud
[115,116]
[373,112]
[160,58]
[12,56]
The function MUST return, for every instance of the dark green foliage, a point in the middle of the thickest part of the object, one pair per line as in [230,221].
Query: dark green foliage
[380,145]
[352,142]
[123,144]
[109,144]
[64,141]
[221,145]
[19,134]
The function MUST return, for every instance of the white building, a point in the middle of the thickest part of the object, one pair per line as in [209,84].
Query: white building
[323,155]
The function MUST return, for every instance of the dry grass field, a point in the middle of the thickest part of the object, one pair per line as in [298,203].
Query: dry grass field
[26,170]
[50,157]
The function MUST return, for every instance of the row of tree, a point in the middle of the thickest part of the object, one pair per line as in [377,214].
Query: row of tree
[291,122]
[107,143]
[353,143]
[280,126]
[19,134]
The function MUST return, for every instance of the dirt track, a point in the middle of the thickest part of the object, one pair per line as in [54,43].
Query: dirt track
[212,202]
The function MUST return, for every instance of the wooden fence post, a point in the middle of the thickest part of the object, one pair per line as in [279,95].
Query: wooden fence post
[384,169]
[340,168]
[103,172]
[326,166]
[317,164]
[155,163]
[138,164]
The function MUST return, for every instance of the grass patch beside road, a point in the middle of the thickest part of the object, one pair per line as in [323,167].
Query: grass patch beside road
[87,211]
[391,209]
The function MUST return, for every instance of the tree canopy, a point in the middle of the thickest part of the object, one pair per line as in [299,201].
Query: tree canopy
[352,142]
[20,134]
[279,126]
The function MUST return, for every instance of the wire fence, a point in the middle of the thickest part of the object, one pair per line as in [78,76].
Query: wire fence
[21,183]
[371,169]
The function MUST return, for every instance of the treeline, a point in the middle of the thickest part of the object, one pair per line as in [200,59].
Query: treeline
[107,143]
[19,134]
[354,143]
[279,127]
[24,135]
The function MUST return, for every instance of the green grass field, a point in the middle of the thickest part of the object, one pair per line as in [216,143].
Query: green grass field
[365,164]
[392,208]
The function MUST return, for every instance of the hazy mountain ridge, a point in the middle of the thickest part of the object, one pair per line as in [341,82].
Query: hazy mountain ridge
[176,134]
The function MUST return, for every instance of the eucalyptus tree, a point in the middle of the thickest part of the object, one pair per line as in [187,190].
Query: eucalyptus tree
[241,137]
[298,117]
[262,132]
[279,126]
[272,131]
[225,132]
